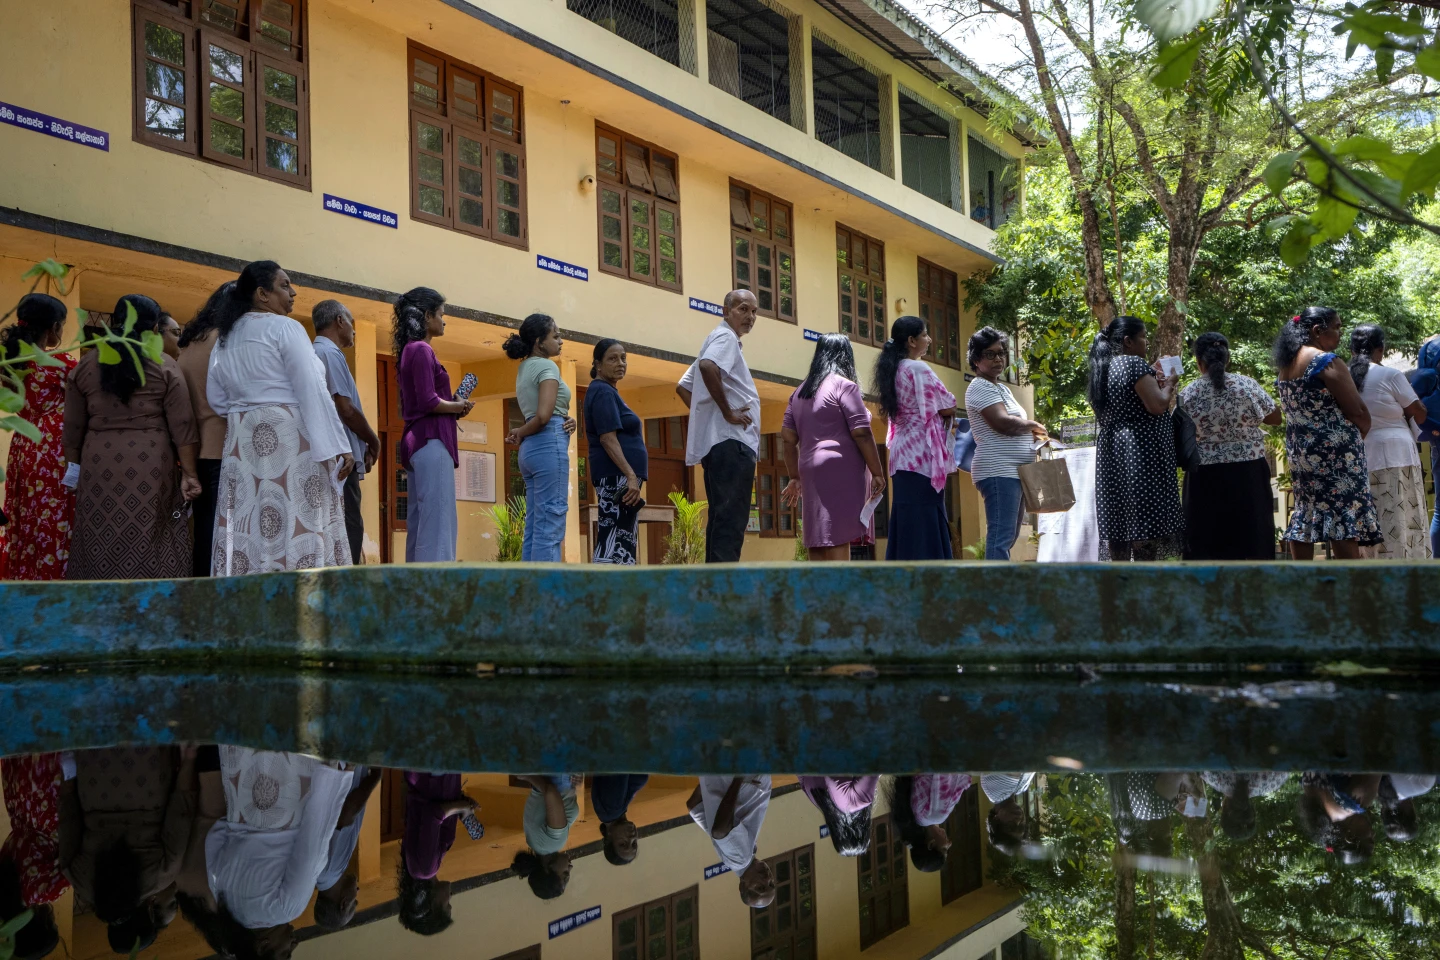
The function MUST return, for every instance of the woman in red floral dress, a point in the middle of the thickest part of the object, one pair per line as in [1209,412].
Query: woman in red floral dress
[37,540]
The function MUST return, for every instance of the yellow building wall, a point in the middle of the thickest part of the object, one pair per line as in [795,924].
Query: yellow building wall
[359,150]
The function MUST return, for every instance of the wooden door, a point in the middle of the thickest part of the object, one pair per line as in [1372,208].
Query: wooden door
[665,476]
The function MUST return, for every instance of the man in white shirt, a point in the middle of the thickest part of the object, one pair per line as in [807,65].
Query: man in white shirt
[730,810]
[724,427]
[338,890]
[334,332]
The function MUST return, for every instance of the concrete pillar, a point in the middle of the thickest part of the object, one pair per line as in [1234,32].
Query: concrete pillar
[889,126]
[572,553]
[802,75]
[367,853]
[965,167]
[694,38]
[363,366]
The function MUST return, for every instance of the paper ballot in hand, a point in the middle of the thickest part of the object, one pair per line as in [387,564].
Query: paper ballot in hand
[1171,367]
[72,476]
[867,512]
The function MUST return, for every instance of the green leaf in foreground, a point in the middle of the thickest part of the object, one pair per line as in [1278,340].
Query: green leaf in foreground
[108,354]
[153,346]
[21,426]
[1279,171]
[1175,62]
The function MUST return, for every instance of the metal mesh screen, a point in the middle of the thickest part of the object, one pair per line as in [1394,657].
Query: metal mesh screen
[749,47]
[994,186]
[653,25]
[927,150]
[847,105]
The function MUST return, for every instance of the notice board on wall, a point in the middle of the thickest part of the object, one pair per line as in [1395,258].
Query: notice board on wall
[475,477]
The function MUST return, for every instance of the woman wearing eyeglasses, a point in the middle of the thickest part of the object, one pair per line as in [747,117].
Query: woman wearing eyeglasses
[1004,439]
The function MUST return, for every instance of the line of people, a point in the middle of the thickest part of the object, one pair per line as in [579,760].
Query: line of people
[1350,445]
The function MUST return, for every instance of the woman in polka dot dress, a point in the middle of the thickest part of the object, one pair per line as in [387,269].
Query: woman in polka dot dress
[1136,492]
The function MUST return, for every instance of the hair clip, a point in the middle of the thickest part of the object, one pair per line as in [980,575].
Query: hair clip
[1295,320]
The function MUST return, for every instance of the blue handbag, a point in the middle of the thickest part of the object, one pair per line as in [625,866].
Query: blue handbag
[964,444]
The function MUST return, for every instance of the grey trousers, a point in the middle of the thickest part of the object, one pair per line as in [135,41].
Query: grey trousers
[431,527]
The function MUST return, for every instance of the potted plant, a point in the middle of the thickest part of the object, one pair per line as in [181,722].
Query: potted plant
[686,543]
[509,520]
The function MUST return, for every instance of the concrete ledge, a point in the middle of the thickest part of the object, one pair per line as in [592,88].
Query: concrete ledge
[728,725]
[741,616]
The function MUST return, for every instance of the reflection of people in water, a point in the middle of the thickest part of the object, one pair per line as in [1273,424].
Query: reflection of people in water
[1397,795]
[125,819]
[610,795]
[731,811]
[337,891]
[845,803]
[433,801]
[549,811]
[266,854]
[1332,813]
[1141,804]
[1005,823]
[920,805]
[30,877]
[1237,813]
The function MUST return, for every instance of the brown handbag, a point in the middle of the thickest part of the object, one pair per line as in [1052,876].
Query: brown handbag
[1046,485]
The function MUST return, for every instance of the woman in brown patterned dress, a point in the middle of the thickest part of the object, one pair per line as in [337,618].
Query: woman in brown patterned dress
[127,435]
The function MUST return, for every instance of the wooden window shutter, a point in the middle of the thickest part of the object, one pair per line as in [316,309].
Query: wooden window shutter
[165,82]
[228,100]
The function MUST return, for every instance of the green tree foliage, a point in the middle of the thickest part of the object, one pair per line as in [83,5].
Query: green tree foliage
[1241,286]
[1274,896]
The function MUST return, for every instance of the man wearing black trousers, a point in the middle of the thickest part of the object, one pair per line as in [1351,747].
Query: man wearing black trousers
[724,427]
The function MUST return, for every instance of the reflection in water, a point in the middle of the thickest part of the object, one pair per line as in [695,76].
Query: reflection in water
[270,854]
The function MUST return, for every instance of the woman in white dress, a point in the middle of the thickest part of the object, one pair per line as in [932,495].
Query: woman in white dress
[1397,482]
[286,453]
[264,858]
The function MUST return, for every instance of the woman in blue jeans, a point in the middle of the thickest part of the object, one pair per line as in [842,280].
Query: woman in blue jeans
[1004,439]
[544,437]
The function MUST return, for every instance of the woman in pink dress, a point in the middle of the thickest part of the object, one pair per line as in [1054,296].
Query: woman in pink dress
[920,805]
[920,409]
[830,453]
[845,802]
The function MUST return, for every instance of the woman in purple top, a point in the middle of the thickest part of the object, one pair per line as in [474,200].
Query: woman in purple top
[432,804]
[845,802]
[428,447]
[830,453]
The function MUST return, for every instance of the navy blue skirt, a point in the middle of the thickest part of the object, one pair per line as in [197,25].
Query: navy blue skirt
[919,529]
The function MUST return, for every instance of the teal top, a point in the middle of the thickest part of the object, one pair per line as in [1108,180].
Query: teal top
[533,372]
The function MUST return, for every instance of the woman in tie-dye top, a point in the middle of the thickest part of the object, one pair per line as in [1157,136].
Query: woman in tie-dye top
[919,409]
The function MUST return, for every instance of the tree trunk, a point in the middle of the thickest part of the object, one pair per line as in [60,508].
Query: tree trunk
[1097,286]
[1170,333]
[1124,904]
[1223,930]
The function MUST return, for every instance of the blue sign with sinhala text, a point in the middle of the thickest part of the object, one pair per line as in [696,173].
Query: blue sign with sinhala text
[361,211]
[577,919]
[712,872]
[54,126]
[705,306]
[561,267]
[812,335]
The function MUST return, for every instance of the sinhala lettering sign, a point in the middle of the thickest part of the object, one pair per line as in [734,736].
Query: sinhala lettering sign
[54,126]
[361,211]
[561,267]
[577,919]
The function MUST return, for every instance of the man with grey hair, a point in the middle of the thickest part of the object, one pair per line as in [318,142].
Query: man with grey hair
[334,332]
[724,427]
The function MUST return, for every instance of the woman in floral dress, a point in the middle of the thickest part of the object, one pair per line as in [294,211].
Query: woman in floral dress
[37,540]
[1325,426]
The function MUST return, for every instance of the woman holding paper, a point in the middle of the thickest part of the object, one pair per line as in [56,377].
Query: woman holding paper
[128,437]
[1137,497]
[1004,441]
[830,454]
